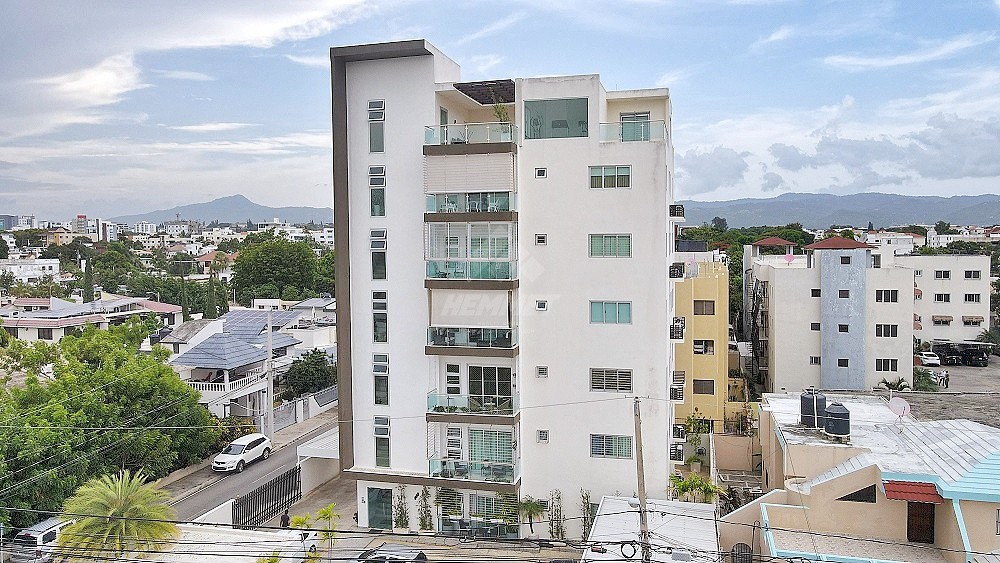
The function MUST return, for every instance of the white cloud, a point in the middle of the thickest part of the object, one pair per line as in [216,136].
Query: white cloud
[780,34]
[672,78]
[492,28]
[703,171]
[310,60]
[483,64]
[213,127]
[99,85]
[185,75]
[941,51]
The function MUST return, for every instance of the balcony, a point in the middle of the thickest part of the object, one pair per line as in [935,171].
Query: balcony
[471,270]
[504,338]
[470,133]
[471,404]
[486,471]
[249,382]
[475,202]
[629,131]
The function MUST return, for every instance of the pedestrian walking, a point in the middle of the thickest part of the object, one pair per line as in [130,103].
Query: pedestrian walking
[285,520]
[947,378]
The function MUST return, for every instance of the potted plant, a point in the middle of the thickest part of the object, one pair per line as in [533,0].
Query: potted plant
[695,462]
[530,508]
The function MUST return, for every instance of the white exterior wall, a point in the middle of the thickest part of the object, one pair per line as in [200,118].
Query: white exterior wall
[957,286]
[565,208]
[30,271]
[899,313]
[791,311]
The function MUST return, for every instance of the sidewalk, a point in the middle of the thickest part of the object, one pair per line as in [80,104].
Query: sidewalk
[292,433]
[341,490]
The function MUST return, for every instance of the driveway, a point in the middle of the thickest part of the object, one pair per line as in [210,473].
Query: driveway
[968,379]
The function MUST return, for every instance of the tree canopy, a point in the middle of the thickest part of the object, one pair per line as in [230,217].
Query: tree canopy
[274,268]
[310,373]
[99,380]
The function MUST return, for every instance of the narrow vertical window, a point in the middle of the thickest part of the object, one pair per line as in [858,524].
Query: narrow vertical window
[376,126]
[376,183]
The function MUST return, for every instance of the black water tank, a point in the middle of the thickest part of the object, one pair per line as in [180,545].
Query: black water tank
[838,421]
[812,406]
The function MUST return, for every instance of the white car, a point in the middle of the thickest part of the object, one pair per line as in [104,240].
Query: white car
[929,359]
[242,451]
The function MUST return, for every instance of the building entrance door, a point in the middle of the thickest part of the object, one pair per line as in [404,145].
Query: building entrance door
[920,522]
[380,508]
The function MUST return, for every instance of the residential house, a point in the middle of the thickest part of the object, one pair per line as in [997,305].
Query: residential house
[205,263]
[60,236]
[30,270]
[32,320]
[518,253]
[870,484]
[830,318]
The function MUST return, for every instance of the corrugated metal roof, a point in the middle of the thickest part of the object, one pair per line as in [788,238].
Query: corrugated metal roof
[221,351]
[850,466]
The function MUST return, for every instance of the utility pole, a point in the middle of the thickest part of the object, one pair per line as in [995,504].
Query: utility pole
[269,392]
[641,476]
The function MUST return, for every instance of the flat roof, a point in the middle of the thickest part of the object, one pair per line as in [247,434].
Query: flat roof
[689,526]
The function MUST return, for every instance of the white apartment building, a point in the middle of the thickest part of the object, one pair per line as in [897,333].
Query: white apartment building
[951,296]
[829,318]
[144,228]
[965,234]
[30,270]
[889,242]
[324,237]
[502,286]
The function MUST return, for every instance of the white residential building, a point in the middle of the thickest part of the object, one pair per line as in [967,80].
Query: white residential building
[324,237]
[889,242]
[965,234]
[828,318]
[501,284]
[30,270]
[144,228]
[951,296]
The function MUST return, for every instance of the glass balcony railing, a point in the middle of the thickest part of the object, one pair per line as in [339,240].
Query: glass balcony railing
[477,202]
[627,131]
[473,470]
[472,337]
[471,404]
[469,133]
[471,270]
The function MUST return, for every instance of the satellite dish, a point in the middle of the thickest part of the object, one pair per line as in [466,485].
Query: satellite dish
[899,406]
[789,258]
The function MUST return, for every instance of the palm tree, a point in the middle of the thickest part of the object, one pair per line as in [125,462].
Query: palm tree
[991,336]
[327,515]
[116,515]
[530,508]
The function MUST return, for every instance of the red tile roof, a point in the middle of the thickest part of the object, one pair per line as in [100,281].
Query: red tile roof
[774,241]
[32,302]
[915,492]
[159,307]
[836,243]
[35,322]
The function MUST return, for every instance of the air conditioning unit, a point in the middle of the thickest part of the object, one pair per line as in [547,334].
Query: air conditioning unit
[676,270]
[677,452]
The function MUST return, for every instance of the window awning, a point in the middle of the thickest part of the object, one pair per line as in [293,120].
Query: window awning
[918,293]
[948,318]
[917,325]
[912,491]
[972,319]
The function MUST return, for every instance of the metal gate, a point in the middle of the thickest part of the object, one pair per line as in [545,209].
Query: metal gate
[268,500]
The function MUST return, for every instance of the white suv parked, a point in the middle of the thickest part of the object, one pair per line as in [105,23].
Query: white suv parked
[242,451]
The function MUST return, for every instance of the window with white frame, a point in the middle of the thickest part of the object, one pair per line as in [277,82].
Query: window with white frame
[886,330]
[843,362]
[973,274]
[542,436]
[704,307]
[918,273]
[706,347]
[814,360]
[376,185]
[610,246]
[453,379]
[376,126]
[610,379]
[942,298]
[610,445]
[703,386]
[972,297]
[611,312]
[886,364]
[942,274]
[604,177]
[380,306]
[887,295]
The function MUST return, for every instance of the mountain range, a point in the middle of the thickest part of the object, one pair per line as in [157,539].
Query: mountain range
[232,209]
[814,211]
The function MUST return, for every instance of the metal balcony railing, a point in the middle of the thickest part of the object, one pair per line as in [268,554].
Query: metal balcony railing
[474,202]
[628,131]
[471,270]
[489,471]
[471,404]
[470,133]
[472,337]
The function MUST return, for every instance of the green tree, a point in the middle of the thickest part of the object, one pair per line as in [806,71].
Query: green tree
[268,267]
[326,275]
[7,280]
[88,282]
[310,373]
[719,223]
[99,381]
[944,228]
[899,384]
[114,516]
[847,233]
[29,237]
[530,508]
[4,250]
[922,380]
[211,309]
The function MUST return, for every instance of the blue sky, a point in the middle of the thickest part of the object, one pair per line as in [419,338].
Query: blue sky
[131,106]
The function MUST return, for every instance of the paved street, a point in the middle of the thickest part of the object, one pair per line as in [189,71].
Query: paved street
[204,490]
[969,379]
